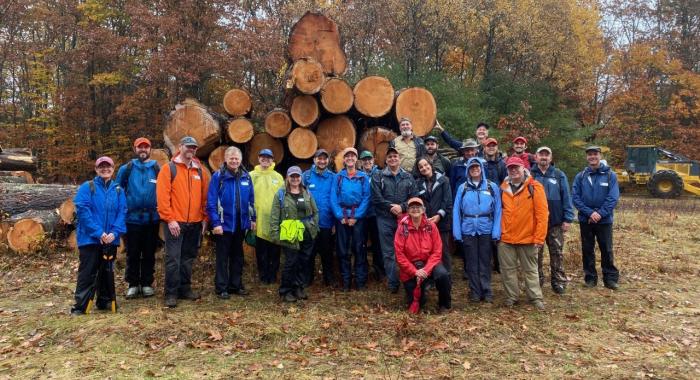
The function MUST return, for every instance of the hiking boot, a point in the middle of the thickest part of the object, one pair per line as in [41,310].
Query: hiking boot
[76,313]
[223,295]
[300,294]
[559,289]
[510,303]
[361,288]
[591,283]
[289,297]
[240,292]
[539,305]
[148,291]
[190,295]
[442,310]
[170,301]
[346,288]
[474,299]
[394,289]
[132,292]
[488,299]
[612,285]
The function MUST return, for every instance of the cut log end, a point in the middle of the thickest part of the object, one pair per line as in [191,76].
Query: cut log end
[374,96]
[160,156]
[240,130]
[417,104]
[317,36]
[237,102]
[25,235]
[264,141]
[192,119]
[376,140]
[302,143]
[67,211]
[337,96]
[278,123]
[216,157]
[307,76]
[304,110]
[335,134]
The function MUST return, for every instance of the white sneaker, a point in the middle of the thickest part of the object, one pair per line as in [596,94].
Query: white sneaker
[132,292]
[147,291]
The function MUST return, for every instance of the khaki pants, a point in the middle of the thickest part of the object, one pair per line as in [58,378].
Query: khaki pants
[522,256]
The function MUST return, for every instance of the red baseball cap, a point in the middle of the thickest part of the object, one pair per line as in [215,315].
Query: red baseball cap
[514,161]
[142,140]
[490,140]
[104,159]
[520,138]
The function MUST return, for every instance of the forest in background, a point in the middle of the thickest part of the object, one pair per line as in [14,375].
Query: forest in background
[84,78]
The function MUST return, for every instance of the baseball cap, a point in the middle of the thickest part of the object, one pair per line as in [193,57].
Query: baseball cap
[391,149]
[348,150]
[520,138]
[544,148]
[320,152]
[430,138]
[188,140]
[490,140]
[514,161]
[482,124]
[266,152]
[104,159]
[366,154]
[140,141]
[415,200]
[293,170]
[593,147]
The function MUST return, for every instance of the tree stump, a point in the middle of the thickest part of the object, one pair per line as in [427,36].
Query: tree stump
[264,141]
[376,140]
[66,211]
[30,228]
[336,96]
[190,118]
[304,110]
[307,76]
[160,156]
[240,130]
[302,143]
[317,36]
[237,102]
[216,157]
[277,123]
[417,104]
[374,96]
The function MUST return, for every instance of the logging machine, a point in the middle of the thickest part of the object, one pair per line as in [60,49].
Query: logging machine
[665,174]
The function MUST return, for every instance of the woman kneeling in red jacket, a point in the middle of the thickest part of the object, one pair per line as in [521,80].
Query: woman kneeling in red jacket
[418,256]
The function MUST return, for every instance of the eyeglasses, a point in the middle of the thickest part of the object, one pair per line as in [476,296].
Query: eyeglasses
[415,207]
[193,147]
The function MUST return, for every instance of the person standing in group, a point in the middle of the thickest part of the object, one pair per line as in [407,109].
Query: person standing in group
[458,173]
[595,195]
[523,231]
[434,190]
[138,179]
[418,253]
[350,196]
[266,183]
[391,189]
[371,230]
[409,146]
[481,134]
[520,151]
[319,181]
[182,196]
[231,211]
[561,215]
[294,225]
[439,162]
[495,167]
[100,206]
[477,223]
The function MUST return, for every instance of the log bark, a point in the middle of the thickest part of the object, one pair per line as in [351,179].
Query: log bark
[18,173]
[302,143]
[336,96]
[376,140]
[335,134]
[216,157]
[10,179]
[417,104]
[4,228]
[237,102]
[190,118]
[30,228]
[66,211]
[317,36]
[374,96]
[240,130]
[17,159]
[277,123]
[18,198]
[304,110]
[160,156]
[264,141]
[307,76]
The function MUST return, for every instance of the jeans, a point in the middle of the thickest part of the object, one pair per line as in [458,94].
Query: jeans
[229,261]
[603,234]
[443,284]
[267,255]
[387,229]
[477,256]
[141,243]
[351,239]
[295,263]
[180,253]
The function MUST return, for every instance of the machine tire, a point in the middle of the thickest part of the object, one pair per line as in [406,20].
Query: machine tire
[666,184]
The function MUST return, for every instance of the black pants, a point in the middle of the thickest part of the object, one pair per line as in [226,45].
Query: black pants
[590,233]
[443,283]
[141,243]
[295,263]
[351,244]
[229,261]
[267,254]
[477,257]
[372,232]
[94,276]
[446,254]
[180,253]
[323,246]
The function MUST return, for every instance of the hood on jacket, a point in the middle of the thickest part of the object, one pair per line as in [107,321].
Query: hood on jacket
[260,168]
[484,181]
[601,169]
[195,161]
[407,221]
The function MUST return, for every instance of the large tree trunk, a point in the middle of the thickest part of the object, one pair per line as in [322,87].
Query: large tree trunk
[336,96]
[317,36]
[17,159]
[374,96]
[30,228]
[190,118]
[306,76]
[237,102]
[417,104]
[18,198]
[160,156]
[336,134]
[11,179]
[264,141]
[277,123]
[240,130]
[302,143]
[216,157]
[26,177]
[304,110]
[376,140]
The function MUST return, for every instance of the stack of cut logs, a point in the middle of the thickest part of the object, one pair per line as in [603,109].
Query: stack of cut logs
[319,109]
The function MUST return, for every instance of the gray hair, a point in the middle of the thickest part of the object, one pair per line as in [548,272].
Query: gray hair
[233,150]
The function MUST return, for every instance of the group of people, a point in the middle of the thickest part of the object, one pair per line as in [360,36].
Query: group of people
[496,211]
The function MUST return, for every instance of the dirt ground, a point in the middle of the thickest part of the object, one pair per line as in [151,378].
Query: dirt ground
[648,329]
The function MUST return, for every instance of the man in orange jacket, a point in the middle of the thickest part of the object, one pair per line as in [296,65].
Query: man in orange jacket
[523,231]
[181,190]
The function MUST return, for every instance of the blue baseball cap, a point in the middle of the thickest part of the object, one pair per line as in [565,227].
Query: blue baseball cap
[188,140]
[266,152]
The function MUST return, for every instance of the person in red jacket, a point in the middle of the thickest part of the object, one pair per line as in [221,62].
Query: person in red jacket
[418,255]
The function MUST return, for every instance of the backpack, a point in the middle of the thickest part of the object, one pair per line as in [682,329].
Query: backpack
[91,185]
[173,171]
[127,173]
[362,183]
[404,226]
[493,195]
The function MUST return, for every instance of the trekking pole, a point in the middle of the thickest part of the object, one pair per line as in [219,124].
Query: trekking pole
[108,255]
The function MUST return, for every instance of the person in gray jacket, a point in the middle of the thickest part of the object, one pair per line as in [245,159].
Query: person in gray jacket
[391,189]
